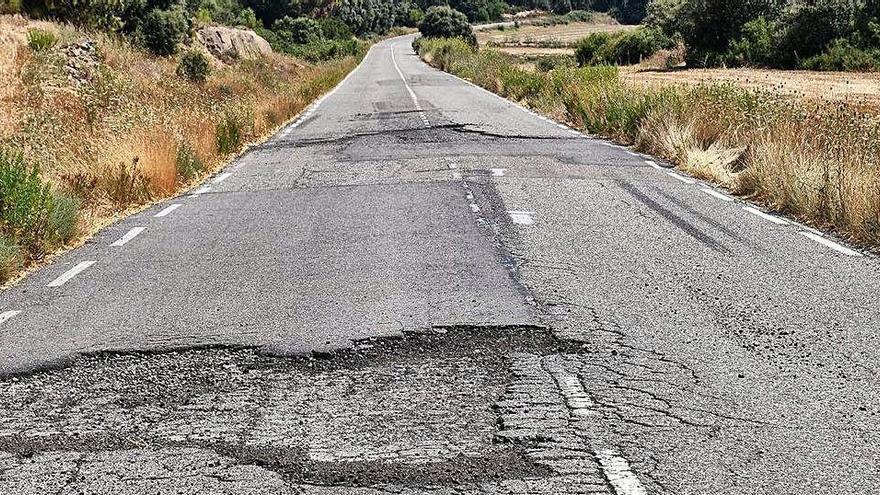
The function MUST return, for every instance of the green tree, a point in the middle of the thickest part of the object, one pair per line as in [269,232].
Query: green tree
[445,22]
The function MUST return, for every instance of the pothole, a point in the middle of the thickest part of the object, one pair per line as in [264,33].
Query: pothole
[460,406]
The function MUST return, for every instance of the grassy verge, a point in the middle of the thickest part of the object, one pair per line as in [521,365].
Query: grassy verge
[91,128]
[819,162]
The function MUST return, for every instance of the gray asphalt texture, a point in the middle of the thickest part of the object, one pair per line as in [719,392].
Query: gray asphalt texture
[355,310]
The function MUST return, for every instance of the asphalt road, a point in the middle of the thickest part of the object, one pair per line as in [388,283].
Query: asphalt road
[420,287]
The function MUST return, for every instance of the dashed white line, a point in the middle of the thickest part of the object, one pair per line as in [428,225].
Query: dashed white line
[475,208]
[681,178]
[498,172]
[833,245]
[201,190]
[220,178]
[619,474]
[469,197]
[456,175]
[167,210]
[131,234]
[69,274]
[8,314]
[765,216]
[653,164]
[716,194]
[522,217]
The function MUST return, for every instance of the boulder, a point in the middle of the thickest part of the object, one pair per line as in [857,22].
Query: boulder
[231,45]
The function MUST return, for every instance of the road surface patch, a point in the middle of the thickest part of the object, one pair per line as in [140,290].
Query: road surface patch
[69,274]
[131,234]
[167,210]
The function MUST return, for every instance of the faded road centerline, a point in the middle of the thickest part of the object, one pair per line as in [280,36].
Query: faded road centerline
[131,234]
[69,274]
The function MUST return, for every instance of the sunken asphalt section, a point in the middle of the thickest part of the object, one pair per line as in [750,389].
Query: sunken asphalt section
[419,287]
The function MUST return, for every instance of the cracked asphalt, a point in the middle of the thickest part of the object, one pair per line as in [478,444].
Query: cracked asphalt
[486,303]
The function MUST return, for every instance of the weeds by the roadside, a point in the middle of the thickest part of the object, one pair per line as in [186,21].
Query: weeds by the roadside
[820,163]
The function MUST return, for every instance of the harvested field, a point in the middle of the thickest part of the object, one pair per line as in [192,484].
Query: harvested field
[860,89]
[558,36]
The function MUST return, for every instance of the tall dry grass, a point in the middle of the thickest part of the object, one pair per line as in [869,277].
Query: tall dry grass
[122,129]
[817,161]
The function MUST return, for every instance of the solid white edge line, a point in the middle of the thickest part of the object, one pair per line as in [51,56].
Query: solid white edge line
[681,178]
[131,234]
[167,210]
[8,314]
[765,216]
[833,245]
[714,193]
[69,274]
[653,164]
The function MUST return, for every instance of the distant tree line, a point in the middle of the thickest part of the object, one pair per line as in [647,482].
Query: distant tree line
[815,34]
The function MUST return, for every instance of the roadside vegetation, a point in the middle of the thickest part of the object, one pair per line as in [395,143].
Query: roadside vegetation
[111,110]
[819,161]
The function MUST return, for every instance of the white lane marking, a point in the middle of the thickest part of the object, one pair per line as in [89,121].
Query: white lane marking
[562,126]
[452,165]
[456,175]
[128,236]
[412,93]
[469,197]
[8,314]
[619,474]
[69,274]
[522,217]
[833,245]
[712,192]
[475,208]
[681,178]
[201,190]
[220,178]
[498,172]
[167,210]
[653,164]
[765,216]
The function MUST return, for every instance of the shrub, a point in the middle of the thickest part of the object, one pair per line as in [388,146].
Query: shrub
[40,40]
[126,185]
[445,22]
[10,258]
[189,166]
[163,30]
[548,63]
[621,48]
[248,19]
[843,56]
[325,49]
[64,219]
[755,46]
[300,31]
[334,29]
[25,201]
[194,66]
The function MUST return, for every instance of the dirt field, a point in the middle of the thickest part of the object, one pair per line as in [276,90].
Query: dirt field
[854,88]
[559,36]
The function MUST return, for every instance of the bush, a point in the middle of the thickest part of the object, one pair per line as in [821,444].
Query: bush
[325,49]
[444,22]
[551,62]
[334,29]
[194,66]
[189,166]
[622,48]
[25,202]
[300,31]
[843,56]
[229,136]
[64,219]
[163,30]
[10,258]
[40,40]
[755,46]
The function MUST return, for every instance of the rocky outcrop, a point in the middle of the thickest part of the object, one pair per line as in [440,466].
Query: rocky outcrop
[231,45]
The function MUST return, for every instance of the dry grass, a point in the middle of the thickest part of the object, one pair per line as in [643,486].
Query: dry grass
[127,130]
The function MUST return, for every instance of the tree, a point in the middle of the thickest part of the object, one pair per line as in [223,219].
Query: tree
[300,31]
[445,22]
